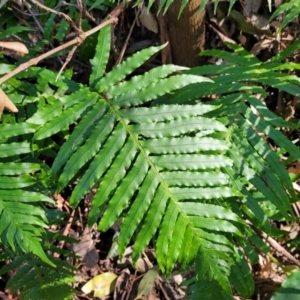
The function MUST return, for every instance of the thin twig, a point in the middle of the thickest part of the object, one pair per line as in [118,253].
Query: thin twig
[34,17]
[68,59]
[58,13]
[79,3]
[280,249]
[276,246]
[119,60]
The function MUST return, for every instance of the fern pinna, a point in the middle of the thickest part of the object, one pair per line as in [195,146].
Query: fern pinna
[161,164]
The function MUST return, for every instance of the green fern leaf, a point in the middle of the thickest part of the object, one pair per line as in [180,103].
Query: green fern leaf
[151,223]
[161,164]
[87,151]
[191,162]
[18,168]
[47,113]
[49,26]
[10,130]
[11,149]
[286,52]
[136,211]
[183,145]
[292,7]
[168,229]
[9,182]
[128,66]
[62,29]
[80,133]
[276,135]
[98,166]
[164,113]
[212,272]
[24,196]
[187,178]
[241,277]
[124,193]
[269,116]
[189,248]
[39,280]
[157,89]
[244,59]
[101,56]
[17,227]
[70,115]
[116,172]
[141,81]
[175,243]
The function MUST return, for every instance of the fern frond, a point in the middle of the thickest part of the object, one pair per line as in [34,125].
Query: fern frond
[84,130]
[138,157]
[257,171]
[22,223]
[38,280]
[127,67]
[293,11]
[141,81]
[241,277]
[250,125]
[74,109]
[212,275]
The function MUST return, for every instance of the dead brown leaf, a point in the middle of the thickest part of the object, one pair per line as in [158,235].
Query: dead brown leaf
[263,44]
[15,46]
[148,20]
[86,249]
[5,102]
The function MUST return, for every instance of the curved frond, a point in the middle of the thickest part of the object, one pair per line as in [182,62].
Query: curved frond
[38,280]
[22,223]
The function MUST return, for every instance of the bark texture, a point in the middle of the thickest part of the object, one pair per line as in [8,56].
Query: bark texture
[186,34]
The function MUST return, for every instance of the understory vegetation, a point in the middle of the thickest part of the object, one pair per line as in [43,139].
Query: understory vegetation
[191,161]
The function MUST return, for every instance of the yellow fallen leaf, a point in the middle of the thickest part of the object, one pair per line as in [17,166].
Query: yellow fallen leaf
[102,284]
[15,46]
[5,102]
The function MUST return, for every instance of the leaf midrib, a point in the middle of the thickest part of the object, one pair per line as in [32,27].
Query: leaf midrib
[119,117]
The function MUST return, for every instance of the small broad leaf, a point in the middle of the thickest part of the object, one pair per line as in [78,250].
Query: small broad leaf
[147,283]
[102,284]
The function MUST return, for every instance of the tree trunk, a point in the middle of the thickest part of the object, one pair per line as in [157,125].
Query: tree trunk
[186,34]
